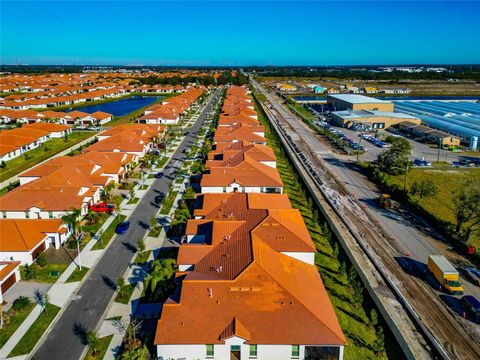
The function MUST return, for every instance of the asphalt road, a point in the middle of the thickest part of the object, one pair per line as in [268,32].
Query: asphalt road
[414,239]
[89,304]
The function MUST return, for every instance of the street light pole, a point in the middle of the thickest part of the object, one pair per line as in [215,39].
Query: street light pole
[405,180]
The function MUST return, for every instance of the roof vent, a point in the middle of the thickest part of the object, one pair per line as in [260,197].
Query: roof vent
[210,292]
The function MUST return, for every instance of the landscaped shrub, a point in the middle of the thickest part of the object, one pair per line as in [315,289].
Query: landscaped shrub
[41,260]
[21,303]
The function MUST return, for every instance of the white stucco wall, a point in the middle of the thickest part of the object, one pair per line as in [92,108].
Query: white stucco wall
[306,257]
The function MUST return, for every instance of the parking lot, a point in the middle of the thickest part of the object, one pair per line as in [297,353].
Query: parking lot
[419,151]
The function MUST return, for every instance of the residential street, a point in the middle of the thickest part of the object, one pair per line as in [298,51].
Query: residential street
[92,299]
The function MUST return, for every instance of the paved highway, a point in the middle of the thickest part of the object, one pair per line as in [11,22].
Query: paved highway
[93,297]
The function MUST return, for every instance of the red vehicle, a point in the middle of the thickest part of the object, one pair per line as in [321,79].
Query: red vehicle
[102,207]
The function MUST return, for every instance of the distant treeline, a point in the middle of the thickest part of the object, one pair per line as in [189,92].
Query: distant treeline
[226,78]
[470,72]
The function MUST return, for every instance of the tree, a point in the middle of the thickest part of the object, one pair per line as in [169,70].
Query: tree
[379,343]
[467,214]
[42,299]
[374,318]
[424,188]
[394,161]
[157,283]
[189,193]
[93,340]
[120,286]
[141,245]
[72,219]
[140,353]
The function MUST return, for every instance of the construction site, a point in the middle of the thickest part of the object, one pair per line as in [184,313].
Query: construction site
[388,248]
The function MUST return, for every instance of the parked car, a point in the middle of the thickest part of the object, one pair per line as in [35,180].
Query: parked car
[418,162]
[456,164]
[474,274]
[102,207]
[122,227]
[471,306]
[159,175]
[154,152]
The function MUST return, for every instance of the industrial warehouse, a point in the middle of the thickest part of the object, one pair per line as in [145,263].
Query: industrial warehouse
[459,118]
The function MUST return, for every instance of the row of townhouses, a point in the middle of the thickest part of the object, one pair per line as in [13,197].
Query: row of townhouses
[30,215]
[8,116]
[170,111]
[247,286]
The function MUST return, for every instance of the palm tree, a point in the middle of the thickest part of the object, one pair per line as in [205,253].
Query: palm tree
[156,283]
[93,341]
[72,219]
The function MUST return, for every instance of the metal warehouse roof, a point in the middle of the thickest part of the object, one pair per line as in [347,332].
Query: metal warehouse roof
[358,99]
[356,114]
[460,118]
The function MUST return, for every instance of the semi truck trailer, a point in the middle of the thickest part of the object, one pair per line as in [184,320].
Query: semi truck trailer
[445,273]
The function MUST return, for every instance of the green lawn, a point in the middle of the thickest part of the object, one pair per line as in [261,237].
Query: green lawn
[168,202]
[133,200]
[162,162]
[47,274]
[448,181]
[332,264]
[143,187]
[13,322]
[108,234]
[101,349]
[124,296]
[77,275]
[142,258]
[179,181]
[35,156]
[33,334]
[155,231]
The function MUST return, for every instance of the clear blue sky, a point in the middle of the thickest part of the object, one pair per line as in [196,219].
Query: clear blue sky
[239,33]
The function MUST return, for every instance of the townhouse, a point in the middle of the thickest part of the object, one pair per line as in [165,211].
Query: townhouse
[16,142]
[135,139]
[8,116]
[9,275]
[247,286]
[25,239]
[172,109]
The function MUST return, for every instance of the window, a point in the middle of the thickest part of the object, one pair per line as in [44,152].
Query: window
[295,351]
[27,215]
[4,214]
[253,351]
[210,351]
[50,215]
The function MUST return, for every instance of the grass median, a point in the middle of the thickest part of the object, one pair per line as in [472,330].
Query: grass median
[168,202]
[101,349]
[35,332]
[125,293]
[77,275]
[108,234]
[39,154]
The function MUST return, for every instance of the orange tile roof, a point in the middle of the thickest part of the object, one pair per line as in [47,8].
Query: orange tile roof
[6,267]
[25,234]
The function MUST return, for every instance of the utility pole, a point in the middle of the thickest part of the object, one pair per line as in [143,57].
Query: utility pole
[405,180]
[439,148]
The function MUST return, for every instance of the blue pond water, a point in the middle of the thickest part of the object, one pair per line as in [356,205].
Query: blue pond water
[120,107]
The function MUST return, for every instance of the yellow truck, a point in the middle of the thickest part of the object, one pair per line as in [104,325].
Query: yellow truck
[445,273]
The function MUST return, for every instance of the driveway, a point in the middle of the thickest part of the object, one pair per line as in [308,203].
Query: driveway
[23,288]
[93,297]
